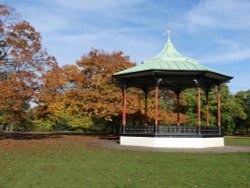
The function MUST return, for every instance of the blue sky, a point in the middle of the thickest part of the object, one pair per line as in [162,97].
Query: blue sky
[214,32]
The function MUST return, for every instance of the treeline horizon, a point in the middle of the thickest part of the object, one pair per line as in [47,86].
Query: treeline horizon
[82,96]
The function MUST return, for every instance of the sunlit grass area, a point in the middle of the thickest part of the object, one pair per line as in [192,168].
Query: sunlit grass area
[72,162]
[240,141]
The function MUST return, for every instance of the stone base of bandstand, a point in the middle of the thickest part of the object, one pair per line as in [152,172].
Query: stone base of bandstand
[172,142]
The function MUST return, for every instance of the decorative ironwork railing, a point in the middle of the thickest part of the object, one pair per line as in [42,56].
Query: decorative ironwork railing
[209,130]
[171,130]
[139,130]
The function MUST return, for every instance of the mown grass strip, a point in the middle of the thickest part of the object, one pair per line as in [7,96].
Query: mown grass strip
[72,164]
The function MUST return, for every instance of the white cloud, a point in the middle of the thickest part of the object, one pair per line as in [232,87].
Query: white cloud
[44,19]
[80,16]
[224,24]
[96,5]
[228,44]
[226,58]
[70,48]
[71,28]
[225,14]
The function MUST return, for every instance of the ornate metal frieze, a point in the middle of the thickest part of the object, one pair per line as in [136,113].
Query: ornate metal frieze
[171,130]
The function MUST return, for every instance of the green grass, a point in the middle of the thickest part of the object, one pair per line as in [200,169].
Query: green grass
[71,164]
[240,141]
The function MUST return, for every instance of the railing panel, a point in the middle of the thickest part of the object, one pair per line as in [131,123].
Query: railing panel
[177,130]
[209,130]
[171,130]
[139,130]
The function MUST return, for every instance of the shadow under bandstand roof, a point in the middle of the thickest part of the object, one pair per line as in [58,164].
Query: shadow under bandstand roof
[171,70]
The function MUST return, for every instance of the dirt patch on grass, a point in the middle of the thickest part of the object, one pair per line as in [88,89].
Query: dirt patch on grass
[241,137]
[33,141]
[22,140]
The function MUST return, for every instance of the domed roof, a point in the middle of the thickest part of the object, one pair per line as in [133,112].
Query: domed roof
[176,71]
[168,59]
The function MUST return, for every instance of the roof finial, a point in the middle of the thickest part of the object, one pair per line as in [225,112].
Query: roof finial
[169,32]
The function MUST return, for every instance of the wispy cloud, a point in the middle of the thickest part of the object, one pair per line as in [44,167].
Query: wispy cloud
[224,14]
[226,52]
[216,32]
[70,29]
[227,58]
[224,24]
[228,44]
[96,5]
[69,48]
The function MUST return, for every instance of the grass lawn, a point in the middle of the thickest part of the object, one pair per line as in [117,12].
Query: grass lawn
[240,141]
[67,161]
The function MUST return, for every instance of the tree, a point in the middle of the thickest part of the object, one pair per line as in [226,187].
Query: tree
[243,122]
[230,108]
[87,90]
[22,62]
[59,100]
[103,99]
[79,94]
[100,96]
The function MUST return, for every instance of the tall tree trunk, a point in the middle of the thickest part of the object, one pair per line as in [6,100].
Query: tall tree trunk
[11,127]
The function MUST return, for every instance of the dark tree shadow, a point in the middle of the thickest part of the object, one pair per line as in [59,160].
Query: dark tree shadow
[46,135]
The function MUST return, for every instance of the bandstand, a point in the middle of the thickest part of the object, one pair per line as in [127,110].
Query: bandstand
[170,70]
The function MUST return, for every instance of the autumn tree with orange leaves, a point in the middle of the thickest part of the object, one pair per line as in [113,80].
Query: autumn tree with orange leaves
[99,95]
[70,97]
[60,105]
[85,93]
[22,62]
[103,99]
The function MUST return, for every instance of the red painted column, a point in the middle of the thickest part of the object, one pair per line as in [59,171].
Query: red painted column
[124,109]
[199,105]
[156,106]
[146,109]
[178,107]
[218,109]
[199,108]
[207,108]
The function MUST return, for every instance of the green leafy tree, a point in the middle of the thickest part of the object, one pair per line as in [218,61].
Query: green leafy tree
[243,122]
[230,108]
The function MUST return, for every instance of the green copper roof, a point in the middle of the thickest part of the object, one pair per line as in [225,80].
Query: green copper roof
[167,59]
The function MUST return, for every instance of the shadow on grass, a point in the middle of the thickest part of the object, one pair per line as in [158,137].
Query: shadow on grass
[46,135]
